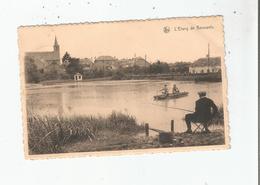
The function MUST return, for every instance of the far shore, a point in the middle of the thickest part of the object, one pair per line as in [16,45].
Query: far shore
[215,77]
[72,82]
[51,82]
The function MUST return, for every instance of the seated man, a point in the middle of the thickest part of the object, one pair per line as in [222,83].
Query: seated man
[165,90]
[175,89]
[205,109]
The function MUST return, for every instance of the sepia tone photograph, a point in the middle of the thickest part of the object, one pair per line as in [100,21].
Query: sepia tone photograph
[128,86]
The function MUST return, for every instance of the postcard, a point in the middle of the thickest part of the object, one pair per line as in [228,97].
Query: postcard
[123,87]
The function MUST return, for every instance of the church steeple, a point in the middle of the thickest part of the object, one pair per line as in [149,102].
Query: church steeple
[56,46]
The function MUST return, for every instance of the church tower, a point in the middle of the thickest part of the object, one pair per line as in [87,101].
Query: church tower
[56,50]
[56,46]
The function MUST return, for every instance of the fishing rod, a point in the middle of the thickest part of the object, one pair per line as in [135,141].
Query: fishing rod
[173,108]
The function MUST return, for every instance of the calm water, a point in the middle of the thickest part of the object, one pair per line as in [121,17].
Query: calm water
[132,97]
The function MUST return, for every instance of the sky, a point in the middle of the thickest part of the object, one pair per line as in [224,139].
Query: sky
[185,39]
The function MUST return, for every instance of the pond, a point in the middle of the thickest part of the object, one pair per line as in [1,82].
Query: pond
[133,97]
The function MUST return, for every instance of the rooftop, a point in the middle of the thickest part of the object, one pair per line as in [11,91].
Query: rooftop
[106,58]
[213,61]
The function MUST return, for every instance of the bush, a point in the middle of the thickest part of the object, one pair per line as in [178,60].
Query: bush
[118,75]
[32,74]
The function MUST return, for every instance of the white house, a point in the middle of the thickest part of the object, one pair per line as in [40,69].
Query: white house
[77,77]
[206,65]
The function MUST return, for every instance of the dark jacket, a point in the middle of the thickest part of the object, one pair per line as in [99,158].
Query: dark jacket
[205,109]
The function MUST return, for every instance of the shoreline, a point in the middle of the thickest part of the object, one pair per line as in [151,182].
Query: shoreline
[206,77]
[45,84]
[72,82]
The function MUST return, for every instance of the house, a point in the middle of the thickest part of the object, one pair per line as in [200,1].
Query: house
[78,77]
[44,58]
[136,61]
[124,63]
[139,61]
[86,63]
[206,65]
[106,63]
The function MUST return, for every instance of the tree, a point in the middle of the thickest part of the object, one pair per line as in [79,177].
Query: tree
[54,71]
[181,67]
[66,58]
[118,75]
[74,67]
[32,74]
[159,67]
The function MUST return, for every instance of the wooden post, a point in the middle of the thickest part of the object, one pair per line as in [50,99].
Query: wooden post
[146,126]
[172,126]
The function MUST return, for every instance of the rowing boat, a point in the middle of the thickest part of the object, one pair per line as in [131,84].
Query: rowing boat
[171,96]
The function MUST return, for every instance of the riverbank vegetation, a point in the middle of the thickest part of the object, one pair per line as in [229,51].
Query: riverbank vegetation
[117,131]
[48,134]
[123,142]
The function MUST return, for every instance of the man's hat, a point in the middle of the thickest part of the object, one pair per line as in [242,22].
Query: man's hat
[202,93]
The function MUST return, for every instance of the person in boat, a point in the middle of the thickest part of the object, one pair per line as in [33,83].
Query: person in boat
[205,109]
[175,89]
[165,90]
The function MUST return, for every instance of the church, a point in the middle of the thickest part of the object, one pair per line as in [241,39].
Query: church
[44,58]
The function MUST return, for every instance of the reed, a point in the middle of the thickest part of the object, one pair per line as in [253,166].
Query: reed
[47,134]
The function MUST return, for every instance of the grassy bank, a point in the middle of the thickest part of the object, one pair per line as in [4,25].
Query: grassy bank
[124,142]
[48,134]
[53,134]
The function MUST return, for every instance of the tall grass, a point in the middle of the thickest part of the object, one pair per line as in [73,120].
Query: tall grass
[47,134]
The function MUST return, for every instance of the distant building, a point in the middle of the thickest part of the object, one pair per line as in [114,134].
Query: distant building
[106,63]
[206,65]
[124,63]
[136,61]
[86,63]
[44,58]
[78,77]
[139,61]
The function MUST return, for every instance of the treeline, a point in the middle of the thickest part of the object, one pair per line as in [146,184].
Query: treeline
[70,66]
[52,71]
